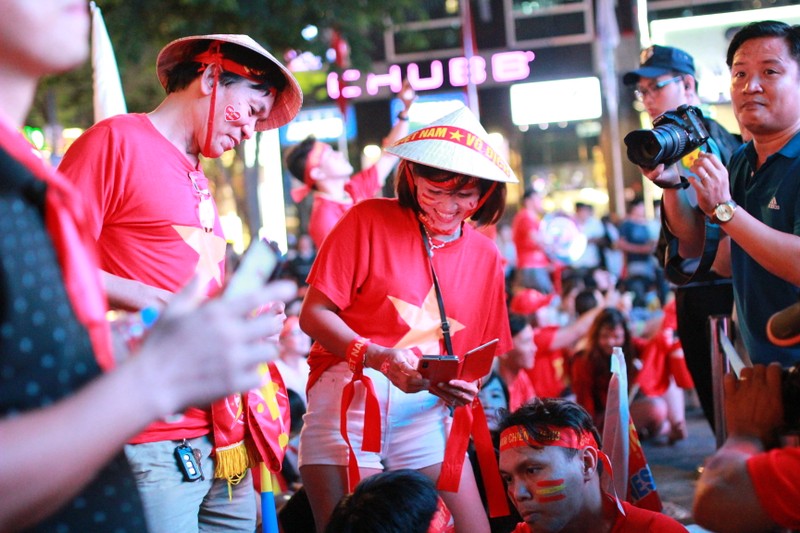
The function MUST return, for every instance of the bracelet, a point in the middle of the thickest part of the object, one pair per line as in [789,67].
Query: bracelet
[683,184]
[357,354]
[401,116]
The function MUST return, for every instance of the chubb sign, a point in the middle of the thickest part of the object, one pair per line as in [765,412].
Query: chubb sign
[503,67]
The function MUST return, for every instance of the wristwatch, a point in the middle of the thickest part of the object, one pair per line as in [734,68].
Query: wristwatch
[723,212]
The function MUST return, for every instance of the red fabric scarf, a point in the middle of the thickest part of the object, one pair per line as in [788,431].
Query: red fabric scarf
[76,254]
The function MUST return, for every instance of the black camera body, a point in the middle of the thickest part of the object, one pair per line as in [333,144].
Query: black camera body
[674,134]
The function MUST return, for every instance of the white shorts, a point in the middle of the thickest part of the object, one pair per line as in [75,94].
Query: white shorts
[414,427]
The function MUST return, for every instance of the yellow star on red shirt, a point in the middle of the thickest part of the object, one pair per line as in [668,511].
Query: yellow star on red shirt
[211,251]
[425,323]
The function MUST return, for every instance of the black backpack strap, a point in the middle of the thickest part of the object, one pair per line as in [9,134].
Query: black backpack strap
[673,260]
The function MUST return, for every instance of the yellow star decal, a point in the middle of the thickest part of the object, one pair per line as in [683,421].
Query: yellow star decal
[269,400]
[425,323]
[456,135]
[210,248]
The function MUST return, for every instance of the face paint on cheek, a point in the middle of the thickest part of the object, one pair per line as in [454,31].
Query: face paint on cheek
[550,490]
[426,198]
[231,114]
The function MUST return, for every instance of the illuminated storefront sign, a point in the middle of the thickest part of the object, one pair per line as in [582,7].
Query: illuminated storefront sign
[555,101]
[503,67]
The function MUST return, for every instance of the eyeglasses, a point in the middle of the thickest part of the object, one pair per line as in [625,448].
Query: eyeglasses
[642,92]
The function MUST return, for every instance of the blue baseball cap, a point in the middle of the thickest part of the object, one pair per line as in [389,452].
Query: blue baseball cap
[659,60]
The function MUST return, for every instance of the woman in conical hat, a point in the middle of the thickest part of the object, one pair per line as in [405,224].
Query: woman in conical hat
[373,308]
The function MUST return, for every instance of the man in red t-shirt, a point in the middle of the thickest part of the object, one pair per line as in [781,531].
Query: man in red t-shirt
[550,461]
[151,212]
[745,487]
[327,173]
[513,364]
[533,264]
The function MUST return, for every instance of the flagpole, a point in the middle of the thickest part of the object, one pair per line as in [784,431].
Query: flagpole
[269,515]
[468,38]
[608,39]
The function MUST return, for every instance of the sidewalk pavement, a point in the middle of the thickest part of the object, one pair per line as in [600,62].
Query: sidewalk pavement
[675,467]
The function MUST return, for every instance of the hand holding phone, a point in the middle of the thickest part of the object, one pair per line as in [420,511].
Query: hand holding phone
[255,268]
[475,364]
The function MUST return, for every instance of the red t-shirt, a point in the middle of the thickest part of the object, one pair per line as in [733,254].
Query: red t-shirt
[326,212]
[520,390]
[375,269]
[548,375]
[635,520]
[529,254]
[775,479]
[142,209]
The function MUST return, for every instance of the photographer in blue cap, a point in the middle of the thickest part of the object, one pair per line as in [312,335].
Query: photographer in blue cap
[753,200]
[665,81]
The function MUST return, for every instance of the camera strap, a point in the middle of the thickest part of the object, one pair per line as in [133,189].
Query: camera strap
[673,260]
[448,344]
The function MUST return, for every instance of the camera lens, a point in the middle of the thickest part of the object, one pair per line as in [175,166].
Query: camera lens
[649,148]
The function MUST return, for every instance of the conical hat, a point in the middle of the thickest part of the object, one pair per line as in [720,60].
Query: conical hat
[457,143]
[289,99]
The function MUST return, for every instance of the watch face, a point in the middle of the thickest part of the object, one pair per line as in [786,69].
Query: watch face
[724,212]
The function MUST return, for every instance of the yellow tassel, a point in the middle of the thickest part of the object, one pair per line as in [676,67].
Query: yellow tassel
[233,461]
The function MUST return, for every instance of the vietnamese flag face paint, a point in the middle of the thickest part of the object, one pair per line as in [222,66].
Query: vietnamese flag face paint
[550,490]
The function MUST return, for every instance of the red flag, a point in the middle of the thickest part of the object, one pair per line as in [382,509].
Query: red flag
[663,359]
[633,480]
[641,485]
[268,418]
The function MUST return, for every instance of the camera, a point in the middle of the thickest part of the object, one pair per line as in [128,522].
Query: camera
[674,134]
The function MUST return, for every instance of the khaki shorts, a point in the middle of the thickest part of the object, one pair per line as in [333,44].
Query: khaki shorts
[414,427]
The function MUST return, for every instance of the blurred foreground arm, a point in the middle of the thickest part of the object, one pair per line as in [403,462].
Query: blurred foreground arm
[726,498]
[195,353]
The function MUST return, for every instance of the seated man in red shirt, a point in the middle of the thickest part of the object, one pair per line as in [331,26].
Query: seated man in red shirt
[550,461]
[745,486]
[512,365]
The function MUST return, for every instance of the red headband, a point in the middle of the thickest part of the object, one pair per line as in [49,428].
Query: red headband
[563,437]
[313,159]
[213,56]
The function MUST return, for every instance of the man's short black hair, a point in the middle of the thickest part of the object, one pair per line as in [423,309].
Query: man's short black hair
[766,28]
[397,501]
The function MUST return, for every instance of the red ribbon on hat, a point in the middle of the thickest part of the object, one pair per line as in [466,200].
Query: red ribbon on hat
[462,137]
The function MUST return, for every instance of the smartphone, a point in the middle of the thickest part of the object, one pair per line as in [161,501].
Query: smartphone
[439,368]
[255,269]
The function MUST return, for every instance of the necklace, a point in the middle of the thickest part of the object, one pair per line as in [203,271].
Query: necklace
[205,210]
[432,247]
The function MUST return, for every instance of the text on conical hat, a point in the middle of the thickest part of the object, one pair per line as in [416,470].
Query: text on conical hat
[462,137]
